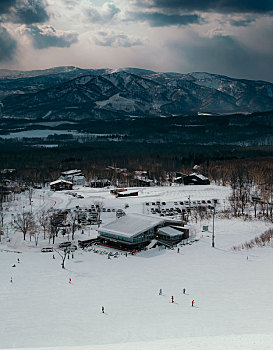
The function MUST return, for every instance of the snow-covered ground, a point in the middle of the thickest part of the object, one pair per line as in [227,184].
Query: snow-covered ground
[232,290]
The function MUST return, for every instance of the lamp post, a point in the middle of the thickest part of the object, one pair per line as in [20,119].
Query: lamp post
[213,213]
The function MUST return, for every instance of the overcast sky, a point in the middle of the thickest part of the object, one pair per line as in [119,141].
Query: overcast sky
[231,37]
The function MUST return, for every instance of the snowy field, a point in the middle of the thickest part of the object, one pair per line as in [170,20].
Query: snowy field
[232,290]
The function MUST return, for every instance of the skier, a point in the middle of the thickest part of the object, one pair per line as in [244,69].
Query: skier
[102,309]
[53,257]
[177,250]
[13,265]
[192,303]
[160,291]
[172,300]
[11,280]
[70,280]
[18,260]
[184,290]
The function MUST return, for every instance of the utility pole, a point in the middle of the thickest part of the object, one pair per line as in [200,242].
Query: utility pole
[212,243]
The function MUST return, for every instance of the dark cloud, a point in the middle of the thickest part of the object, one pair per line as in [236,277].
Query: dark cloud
[242,22]
[46,36]
[220,6]
[24,11]
[223,55]
[157,19]
[30,11]
[8,45]
[116,40]
[5,5]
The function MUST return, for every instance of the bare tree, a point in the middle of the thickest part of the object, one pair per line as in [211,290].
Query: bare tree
[63,254]
[55,222]
[24,223]
[35,233]
[44,222]
[72,219]
[30,195]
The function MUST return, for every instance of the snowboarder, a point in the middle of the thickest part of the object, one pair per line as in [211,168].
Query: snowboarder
[184,290]
[102,309]
[172,300]
[192,303]
[13,265]
[70,280]
[160,291]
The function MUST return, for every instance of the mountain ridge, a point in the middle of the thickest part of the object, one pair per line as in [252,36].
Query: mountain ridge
[74,93]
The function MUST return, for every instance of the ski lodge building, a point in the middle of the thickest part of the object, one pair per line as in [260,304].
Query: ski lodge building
[136,231]
[75,176]
[60,185]
[196,179]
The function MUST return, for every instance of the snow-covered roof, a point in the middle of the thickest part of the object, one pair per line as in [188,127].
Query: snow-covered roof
[201,177]
[170,231]
[60,181]
[131,225]
[71,172]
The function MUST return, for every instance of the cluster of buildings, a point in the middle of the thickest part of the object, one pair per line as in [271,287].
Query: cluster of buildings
[122,178]
[68,179]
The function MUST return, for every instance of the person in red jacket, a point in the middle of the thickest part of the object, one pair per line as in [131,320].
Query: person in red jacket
[192,303]
[102,309]
[172,300]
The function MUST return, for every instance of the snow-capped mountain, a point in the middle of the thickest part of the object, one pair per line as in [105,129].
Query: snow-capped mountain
[70,92]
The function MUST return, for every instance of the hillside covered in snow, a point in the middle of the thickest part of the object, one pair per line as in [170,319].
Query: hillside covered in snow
[73,93]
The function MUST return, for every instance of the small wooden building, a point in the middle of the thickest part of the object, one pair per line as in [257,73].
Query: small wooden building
[196,179]
[60,185]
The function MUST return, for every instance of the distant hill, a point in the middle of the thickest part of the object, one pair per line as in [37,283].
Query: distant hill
[74,93]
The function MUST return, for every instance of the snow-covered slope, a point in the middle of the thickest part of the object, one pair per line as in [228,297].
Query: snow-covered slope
[232,290]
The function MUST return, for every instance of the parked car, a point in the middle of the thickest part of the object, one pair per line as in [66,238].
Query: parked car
[47,250]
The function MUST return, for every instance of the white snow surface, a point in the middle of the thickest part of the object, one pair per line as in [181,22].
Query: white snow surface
[232,290]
